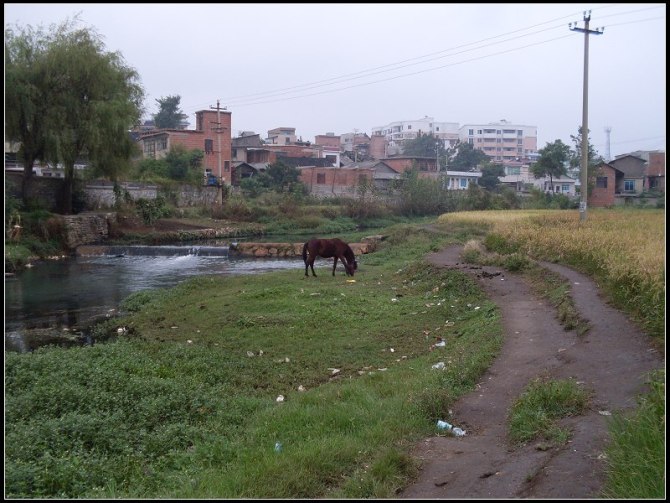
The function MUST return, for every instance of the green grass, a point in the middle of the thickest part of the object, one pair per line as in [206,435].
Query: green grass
[636,454]
[177,409]
[535,413]
[185,405]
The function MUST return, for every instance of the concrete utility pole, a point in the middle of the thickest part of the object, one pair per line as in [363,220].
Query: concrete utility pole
[219,185]
[585,111]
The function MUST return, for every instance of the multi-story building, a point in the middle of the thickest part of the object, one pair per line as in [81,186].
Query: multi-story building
[396,133]
[210,136]
[502,141]
[281,136]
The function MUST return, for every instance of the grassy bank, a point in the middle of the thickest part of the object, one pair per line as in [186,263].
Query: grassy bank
[185,405]
[277,386]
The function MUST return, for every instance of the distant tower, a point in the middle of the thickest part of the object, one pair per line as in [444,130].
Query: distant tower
[608,130]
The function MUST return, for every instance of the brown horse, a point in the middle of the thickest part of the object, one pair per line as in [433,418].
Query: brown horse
[328,248]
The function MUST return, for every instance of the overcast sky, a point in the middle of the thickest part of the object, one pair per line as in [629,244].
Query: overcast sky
[340,67]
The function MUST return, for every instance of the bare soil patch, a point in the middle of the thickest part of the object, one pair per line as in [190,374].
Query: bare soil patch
[611,361]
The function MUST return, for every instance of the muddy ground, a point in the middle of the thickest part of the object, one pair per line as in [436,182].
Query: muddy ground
[611,361]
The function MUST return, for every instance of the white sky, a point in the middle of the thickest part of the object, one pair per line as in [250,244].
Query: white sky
[336,67]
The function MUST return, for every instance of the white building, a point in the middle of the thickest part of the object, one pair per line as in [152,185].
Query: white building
[460,180]
[397,132]
[502,141]
[520,179]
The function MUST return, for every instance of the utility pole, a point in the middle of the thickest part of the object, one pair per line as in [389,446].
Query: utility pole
[585,110]
[353,145]
[219,185]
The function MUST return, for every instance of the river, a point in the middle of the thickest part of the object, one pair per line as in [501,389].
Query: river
[67,295]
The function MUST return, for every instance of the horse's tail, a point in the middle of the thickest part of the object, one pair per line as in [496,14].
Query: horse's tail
[304,252]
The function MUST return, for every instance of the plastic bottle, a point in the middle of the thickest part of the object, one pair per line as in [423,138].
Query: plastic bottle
[443,425]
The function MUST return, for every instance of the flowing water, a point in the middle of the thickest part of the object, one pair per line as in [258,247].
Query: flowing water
[69,295]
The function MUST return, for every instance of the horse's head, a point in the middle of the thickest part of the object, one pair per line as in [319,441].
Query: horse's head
[350,267]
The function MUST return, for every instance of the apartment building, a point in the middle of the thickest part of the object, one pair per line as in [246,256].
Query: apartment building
[396,133]
[503,141]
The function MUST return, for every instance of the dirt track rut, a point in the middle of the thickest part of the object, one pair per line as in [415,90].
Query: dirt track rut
[611,360]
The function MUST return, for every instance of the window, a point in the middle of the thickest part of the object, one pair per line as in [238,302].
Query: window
[471,141]
[321,178]
[601,182]
[471,132]
[479,131]
[437,128]
[463,183]
[629,185]
[226,165]
[519,132]
[209,146]
[565,188]
[409,126]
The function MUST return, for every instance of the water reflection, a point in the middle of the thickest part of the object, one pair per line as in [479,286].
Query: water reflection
[63,297]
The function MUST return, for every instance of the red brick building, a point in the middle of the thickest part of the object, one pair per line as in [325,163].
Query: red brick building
[345,180]
[427,166]
[656,172]
[207,136]
[602,194]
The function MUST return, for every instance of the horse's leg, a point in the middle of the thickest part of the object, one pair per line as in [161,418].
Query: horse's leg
[334,264]
[311,265]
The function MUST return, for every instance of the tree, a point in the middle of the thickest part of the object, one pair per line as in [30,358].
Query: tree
[279,177]
[594,159]
[94,100]
[169,115]
[465,157]
[185,165]
[552,161]
[26,96]
[490,175]
[426,145]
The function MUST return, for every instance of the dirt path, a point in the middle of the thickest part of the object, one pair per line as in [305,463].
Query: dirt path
[611,360]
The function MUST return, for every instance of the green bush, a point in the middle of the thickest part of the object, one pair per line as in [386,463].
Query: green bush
[151,210]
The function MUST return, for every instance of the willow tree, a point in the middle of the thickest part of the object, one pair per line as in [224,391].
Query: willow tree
[95,99]
[25,94]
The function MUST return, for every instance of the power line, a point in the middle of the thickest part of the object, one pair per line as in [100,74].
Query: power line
[372,71]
